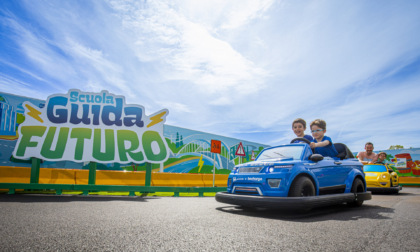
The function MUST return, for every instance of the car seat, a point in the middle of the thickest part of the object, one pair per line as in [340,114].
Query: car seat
[343,151]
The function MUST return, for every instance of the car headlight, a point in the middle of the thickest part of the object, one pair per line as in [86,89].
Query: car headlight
[384,176]
[274,183]
[229,182]
[278,168]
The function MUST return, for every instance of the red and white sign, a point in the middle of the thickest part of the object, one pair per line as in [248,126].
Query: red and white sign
[240,150]
[253,155]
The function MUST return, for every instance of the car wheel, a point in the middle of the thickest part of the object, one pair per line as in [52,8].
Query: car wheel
[302,187]
[358,186]
[390,183]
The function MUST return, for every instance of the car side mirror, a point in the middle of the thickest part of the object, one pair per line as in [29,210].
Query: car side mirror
[316,157]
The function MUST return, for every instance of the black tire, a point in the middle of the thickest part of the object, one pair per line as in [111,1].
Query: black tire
[358,186]
[302,187]
[390,183]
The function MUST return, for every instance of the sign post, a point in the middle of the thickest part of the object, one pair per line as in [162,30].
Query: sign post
[216,147]
[148,178]
[92,173]
[36,164]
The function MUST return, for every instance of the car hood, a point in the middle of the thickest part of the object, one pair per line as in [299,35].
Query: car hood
[269,162]
[373,175]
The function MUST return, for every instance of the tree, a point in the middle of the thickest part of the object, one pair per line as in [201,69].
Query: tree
[20,118]
[396,147]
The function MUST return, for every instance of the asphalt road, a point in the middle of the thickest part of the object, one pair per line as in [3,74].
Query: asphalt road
[104,223]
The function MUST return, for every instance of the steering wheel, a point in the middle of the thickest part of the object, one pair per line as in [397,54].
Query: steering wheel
[301,139]
[305,141]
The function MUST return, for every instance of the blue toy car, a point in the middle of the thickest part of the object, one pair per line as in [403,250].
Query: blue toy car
[290,176]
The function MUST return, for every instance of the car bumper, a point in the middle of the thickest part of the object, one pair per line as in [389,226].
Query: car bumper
[395,189]
[290,203]
[377,183]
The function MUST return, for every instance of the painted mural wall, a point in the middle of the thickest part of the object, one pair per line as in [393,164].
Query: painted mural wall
[189,149]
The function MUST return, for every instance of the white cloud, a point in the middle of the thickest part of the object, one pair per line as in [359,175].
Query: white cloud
[219,15]
[188,50]
[236,67]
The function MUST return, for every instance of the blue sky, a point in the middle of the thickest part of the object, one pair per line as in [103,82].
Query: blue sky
[243,69]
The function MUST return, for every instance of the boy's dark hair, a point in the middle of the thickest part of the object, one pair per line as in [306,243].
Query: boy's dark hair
[320,123]
[380,153]
[299,120]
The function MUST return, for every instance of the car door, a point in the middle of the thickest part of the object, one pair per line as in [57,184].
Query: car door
[330,174]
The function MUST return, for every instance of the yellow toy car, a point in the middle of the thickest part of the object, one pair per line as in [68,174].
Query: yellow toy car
[381,178]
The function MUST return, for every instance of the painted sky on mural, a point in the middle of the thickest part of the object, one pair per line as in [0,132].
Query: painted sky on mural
[242,69]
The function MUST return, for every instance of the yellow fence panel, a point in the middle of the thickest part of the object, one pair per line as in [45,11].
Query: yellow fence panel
[219,181]
[120,178]
[409,180]
[57,176]
[15,174]
[177,179]
[81,177]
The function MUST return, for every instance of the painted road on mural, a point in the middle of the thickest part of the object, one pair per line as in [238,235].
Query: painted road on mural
[6,147]
[185,166]
[106,223]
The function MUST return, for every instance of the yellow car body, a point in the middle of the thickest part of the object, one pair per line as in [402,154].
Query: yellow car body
[381,178]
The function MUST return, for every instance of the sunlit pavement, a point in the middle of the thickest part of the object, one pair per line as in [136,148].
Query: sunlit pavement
[121,223]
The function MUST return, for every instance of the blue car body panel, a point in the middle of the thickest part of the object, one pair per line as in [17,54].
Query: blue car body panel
[329,176]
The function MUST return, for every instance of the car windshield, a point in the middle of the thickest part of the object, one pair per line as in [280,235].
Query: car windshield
[374,168]
[294,152]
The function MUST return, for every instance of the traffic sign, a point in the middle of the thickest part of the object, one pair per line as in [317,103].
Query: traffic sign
[240,151]
[253,155]
[216,146]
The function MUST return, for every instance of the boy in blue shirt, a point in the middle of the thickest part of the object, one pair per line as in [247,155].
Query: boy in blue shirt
[299,127]
[322,144]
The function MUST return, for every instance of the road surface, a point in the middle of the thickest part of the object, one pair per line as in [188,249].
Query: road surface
[122,223]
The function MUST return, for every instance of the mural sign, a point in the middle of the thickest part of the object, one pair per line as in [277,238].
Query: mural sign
[99,127]
[70,130]
[216,146]
[240,151]
[401,163]
[253,156]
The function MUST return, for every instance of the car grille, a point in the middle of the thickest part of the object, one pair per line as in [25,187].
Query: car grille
[250,169]
[247,190]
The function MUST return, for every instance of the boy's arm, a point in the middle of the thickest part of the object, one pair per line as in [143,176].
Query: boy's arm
[320,144]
